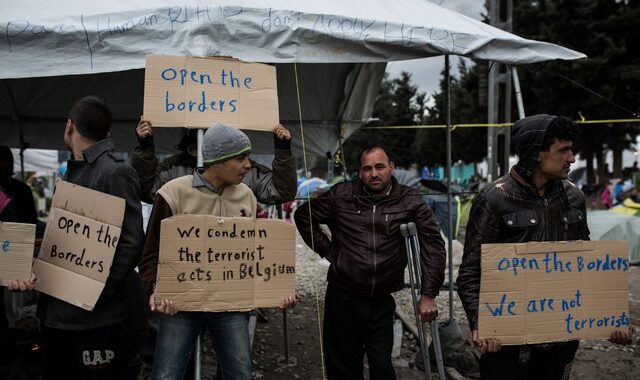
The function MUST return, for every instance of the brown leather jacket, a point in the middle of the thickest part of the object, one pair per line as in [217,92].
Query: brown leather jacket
[366,251]
[510,211]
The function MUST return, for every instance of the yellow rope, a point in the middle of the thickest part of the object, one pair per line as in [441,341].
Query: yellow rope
[315,283]
[494,125]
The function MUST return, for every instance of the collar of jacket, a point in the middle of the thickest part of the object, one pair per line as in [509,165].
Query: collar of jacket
[98,149]
[552,186]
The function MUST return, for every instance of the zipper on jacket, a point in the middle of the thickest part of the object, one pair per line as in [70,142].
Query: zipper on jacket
[546,218]
[373,227]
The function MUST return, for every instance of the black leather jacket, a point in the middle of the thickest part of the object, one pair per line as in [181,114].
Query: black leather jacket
[510,211]
[366,250]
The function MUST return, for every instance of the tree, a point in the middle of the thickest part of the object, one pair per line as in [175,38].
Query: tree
[398,104]
[605,31]
[468,106]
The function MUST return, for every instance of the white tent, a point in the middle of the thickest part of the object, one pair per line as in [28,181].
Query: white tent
[56,51]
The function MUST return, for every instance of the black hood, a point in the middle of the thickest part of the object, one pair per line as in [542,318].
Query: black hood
[527,138]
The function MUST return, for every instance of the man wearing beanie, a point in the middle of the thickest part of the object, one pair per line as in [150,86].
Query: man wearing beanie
[215,189]
[534,202]
[270,185]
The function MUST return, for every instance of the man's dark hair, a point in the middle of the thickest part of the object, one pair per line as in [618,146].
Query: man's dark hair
[92,117]
[561,128]
[188,139]
[7,159]
[369,148]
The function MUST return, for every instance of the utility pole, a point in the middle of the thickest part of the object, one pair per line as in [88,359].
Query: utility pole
[499,97]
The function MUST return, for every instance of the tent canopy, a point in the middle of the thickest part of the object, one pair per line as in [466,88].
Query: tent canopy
[89,47]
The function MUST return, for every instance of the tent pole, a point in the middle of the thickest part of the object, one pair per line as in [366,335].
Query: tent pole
[516,89]
[447,79]
[197,362]
[16,118]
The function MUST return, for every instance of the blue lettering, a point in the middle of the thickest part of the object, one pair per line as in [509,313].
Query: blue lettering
[580,261]
[247,82]
[203,104]
[503,264]
[5,246]
[232,104]
[532,307]
[498,311]
[590,322]
[168,106]
[183,76]
[169,70]
[568,323]
[573,303]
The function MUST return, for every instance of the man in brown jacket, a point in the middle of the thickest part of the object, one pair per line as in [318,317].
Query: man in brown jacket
[367,257]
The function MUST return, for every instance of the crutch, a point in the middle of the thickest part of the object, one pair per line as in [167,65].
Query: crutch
[412,247]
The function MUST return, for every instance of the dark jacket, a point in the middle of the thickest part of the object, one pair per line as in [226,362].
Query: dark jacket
[101,170]
[510,211]
[269,186]
[23,203]
[366,251]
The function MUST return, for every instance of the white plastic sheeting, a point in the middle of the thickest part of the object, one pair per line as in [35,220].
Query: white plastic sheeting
[89,36]
[55,51]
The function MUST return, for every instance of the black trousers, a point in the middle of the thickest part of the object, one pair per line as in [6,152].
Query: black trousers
[91,354]
[354,326]
[513,362]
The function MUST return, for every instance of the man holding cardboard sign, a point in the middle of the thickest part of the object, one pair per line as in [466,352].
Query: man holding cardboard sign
[269,185]
[368,263]
[532,203]
[216,189]
[178,92]
[84,343]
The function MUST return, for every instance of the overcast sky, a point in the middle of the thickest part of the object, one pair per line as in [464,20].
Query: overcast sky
[426,72]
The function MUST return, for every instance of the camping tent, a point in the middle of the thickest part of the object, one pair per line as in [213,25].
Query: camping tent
[56,51]
[607,225]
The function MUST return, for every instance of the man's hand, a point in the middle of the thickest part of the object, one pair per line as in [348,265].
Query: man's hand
[427,308]
[144,129]
[487,344]
[622,337]
[281,132]
[166,306]
[290,301]
[21,285]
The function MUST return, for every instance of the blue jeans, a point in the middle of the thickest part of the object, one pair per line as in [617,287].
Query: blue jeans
[177,336]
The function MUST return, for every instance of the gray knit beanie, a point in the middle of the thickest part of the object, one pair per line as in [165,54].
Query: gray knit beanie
[222,142]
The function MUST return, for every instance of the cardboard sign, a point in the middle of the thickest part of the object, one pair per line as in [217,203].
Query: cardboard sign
[199,92]
[221,264]
[16,251]
[553,291]
[78,245]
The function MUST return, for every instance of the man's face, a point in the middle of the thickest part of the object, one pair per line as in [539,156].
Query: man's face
[232,171]
[556,162]
[376,171]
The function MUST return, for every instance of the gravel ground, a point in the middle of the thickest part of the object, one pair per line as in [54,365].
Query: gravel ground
[596,359]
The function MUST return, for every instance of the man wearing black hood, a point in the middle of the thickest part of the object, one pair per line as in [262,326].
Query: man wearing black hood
[534,202]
